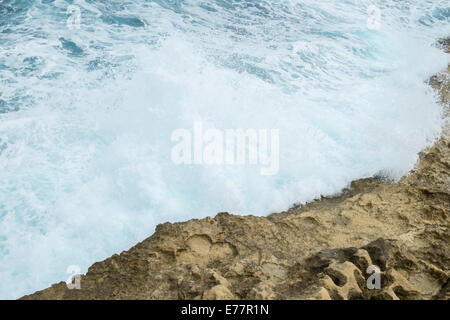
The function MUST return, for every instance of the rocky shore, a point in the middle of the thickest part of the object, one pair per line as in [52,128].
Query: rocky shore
[317,251]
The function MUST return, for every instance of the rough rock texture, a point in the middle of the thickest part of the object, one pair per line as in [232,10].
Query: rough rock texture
[317,251]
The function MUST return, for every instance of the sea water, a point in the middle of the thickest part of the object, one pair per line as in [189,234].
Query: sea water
[91,93]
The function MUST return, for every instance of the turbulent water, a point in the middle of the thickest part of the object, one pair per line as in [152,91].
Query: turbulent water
[91,92]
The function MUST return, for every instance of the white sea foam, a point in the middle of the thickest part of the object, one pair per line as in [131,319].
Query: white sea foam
[85,168]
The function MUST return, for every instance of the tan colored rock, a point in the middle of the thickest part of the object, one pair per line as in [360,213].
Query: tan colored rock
[219,292]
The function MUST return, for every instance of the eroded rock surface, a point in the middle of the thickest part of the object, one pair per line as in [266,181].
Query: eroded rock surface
[318,251]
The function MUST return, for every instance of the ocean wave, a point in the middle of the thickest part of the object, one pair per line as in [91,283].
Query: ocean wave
[88,105]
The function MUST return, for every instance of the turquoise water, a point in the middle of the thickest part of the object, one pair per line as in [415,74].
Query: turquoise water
[87,108]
